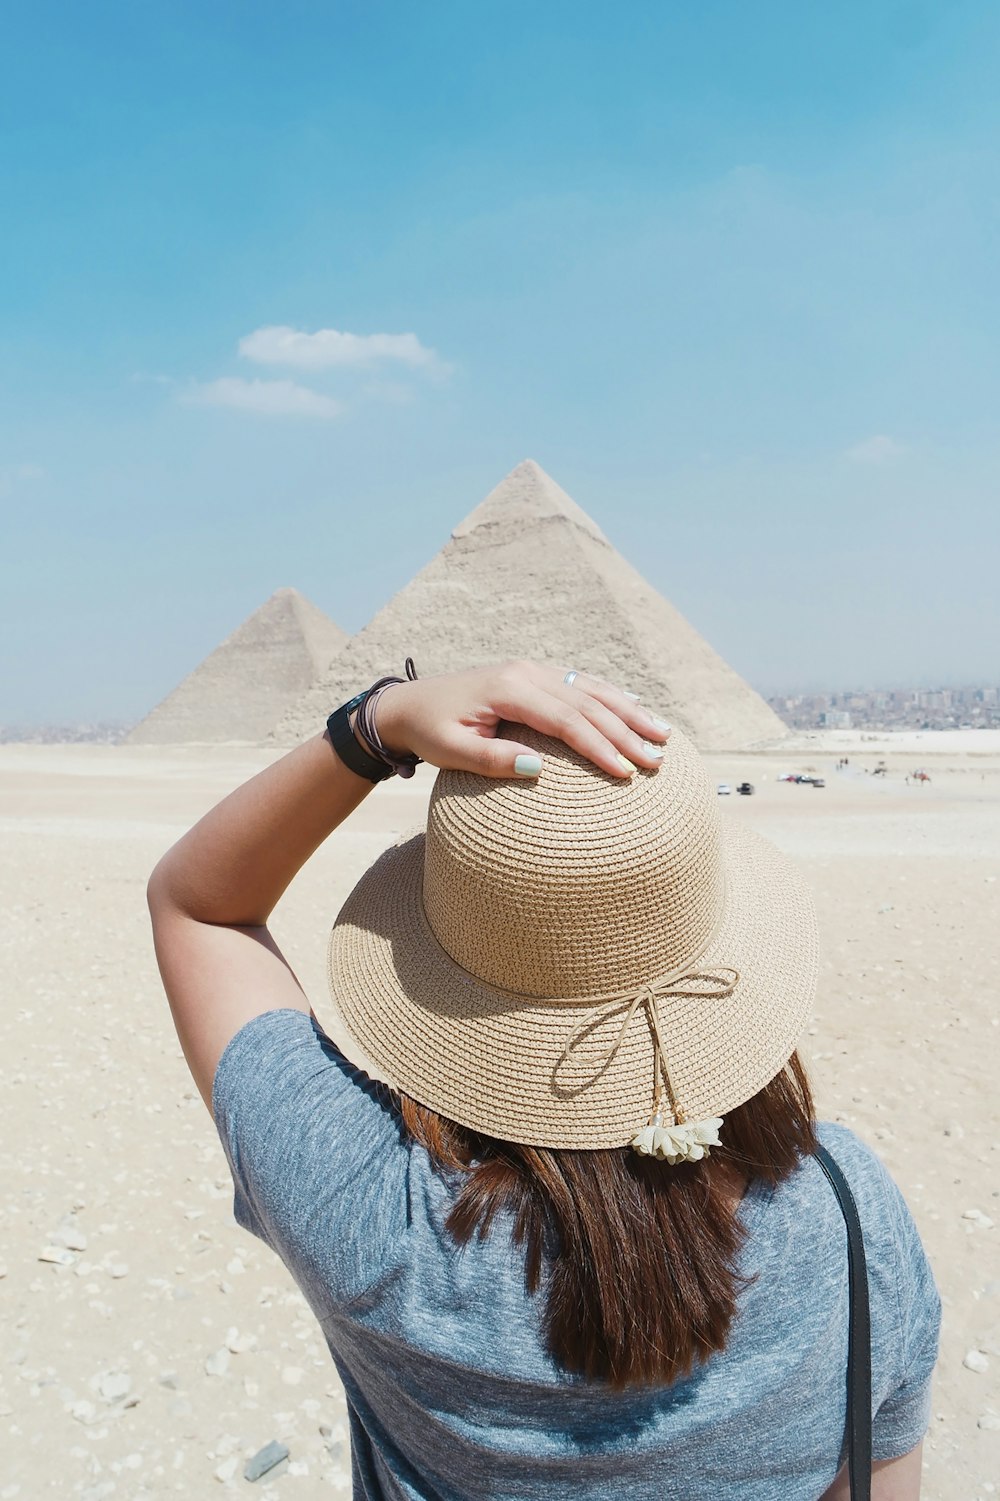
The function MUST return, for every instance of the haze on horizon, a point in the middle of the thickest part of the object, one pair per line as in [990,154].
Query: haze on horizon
[285,294]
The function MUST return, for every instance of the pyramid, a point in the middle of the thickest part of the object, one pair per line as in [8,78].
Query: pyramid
[242,689]
[529,574]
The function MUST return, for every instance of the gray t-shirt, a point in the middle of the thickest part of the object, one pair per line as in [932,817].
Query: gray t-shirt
[451,1393]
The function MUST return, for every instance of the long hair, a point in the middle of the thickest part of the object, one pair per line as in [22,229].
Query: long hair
[637,1261]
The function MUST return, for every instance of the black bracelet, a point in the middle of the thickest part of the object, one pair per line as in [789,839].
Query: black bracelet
[380,763]
[356,759]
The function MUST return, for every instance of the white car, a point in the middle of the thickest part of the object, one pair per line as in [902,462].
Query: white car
[724,789]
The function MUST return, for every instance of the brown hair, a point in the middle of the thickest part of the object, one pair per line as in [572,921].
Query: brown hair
[637,1260]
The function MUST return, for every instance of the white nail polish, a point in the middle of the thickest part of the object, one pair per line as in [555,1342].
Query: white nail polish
[635,697]
[527,766]
[654,750]
[661,724]
[624,761]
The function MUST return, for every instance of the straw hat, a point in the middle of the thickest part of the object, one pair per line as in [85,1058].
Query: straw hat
[555,961]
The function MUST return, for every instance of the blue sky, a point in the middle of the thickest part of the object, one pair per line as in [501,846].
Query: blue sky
[728,272]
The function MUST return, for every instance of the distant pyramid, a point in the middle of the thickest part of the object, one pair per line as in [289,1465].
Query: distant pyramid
[529,574]
[244,687]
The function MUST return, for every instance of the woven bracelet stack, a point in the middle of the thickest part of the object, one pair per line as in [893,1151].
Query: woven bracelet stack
[375,763]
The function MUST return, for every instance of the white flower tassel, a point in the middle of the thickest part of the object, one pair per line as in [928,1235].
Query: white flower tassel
[689,1141]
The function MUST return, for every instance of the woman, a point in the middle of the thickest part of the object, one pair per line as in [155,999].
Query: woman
[558,1215]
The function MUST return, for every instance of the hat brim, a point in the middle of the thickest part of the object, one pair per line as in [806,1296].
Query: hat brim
[547,1073]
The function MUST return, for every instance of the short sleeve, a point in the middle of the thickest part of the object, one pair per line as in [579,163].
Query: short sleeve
[317,1153]
[902,1420]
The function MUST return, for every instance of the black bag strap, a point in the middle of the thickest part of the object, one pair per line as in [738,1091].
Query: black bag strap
[859,1339]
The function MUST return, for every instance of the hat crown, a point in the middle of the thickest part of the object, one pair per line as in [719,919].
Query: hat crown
[575,883]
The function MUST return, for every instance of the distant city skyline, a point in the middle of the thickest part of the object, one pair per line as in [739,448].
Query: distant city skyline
[285,293]
[971,707]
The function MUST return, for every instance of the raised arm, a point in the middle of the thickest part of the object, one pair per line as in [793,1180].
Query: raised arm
[211,895]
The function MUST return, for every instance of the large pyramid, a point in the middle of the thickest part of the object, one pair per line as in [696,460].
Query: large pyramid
[244,687]
[528,574]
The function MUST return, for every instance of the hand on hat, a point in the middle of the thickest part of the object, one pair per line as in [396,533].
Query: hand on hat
[453,720]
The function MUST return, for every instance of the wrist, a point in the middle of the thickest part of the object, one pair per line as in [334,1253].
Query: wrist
[391,719]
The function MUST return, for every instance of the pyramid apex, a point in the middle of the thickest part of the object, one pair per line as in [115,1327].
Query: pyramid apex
[526,495]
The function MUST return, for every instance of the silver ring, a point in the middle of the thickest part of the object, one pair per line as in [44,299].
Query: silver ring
[570,678]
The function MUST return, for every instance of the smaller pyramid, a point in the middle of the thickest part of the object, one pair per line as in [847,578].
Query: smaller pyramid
[245,686]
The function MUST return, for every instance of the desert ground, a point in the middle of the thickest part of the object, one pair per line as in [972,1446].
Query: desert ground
[148,1346]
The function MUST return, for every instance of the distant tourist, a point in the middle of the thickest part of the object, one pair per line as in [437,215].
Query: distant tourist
[545,1163]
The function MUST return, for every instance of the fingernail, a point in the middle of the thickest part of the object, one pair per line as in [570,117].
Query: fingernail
[624,761]
[654,750]
[661,724]
[527,766]
[633,696]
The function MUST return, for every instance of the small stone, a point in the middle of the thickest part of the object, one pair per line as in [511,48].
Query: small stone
[265,1460]
[292,1375]
[976,1360]
[118,1269]
[83,1412]
[113,1386]
[168,1379]
[72,1237]
[57,1255]
[3,1269]
[886,908]
[978,1218]
[335,1447]
[240,1343]
[989,1422]
[218,1364]
[227,1469]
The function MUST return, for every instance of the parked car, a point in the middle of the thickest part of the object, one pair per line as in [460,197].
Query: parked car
[723,789]
[810,781]
[745,789]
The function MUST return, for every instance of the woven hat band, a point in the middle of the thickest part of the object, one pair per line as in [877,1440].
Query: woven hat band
[579,884]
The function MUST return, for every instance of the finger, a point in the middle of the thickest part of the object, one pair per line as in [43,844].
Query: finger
[626,706]
[638,745]
[498,758]
[552,715]
[635,732]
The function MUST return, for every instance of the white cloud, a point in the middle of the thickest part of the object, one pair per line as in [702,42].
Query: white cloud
[329,348]
[880,449]
[270,398]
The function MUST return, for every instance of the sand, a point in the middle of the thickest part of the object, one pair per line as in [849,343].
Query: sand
[170,1346]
